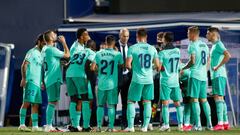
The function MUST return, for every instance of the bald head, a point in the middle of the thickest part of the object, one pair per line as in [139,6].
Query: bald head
[124,35]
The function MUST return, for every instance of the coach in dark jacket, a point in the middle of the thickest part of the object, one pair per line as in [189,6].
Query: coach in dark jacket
[124,76]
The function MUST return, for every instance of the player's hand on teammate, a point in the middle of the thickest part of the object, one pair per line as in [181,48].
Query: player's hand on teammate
[23,82]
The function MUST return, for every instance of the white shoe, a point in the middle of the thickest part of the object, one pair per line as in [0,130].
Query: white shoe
[49,128]
[129,129]
[144,129]
[197,128]
[165,128]
[180,127]
[150,127]
[79,128]
[36,129]
[24,128]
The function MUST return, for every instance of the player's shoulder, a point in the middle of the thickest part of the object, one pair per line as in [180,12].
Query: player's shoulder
[30,51]
[99,52]
[219,43]
[73,45]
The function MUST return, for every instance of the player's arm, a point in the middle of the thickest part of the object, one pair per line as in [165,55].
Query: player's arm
[208,61]
[225,59]
[129,63]
[62,40]
[157,64]
[191,62]
[88,70]
[23,72]
[93,66]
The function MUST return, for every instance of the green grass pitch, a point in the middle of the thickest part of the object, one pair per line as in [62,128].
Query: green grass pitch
[14,131]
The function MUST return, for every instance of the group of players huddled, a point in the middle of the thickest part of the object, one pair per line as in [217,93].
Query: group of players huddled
[41,69]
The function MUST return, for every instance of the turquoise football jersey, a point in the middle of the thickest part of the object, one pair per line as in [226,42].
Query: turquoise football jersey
[51,56]
[107,61]
[34,68]
[170,59]
[76,47]
[142,55]
[217,55]
[77,63]
[201,52]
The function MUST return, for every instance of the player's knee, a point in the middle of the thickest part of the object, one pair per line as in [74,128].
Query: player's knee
[165,102]
[74,99]
[84,97]
[176,103]
[194,100]
[111,106]
[186,100]
[203,100]
[100,106]
[146,101]
[131,102]
[25,104]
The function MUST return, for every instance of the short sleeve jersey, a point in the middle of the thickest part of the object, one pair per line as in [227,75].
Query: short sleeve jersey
[77,63]
[170,61]
[34,68]
[107,61]
[201,52]
[51,56]
[217,55]
[142,55]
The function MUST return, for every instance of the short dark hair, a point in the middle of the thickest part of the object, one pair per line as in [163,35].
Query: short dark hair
[168,36]
[39,38]
[213,29]
[110,39]
[47,35]
[142,32]
[91,44]
[160,34]
[194,29]
[80,31]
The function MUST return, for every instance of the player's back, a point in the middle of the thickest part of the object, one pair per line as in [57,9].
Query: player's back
[77,63]
[107,61]
[76,47]
[170,61]
[201,51]
[142,58]
[33,73]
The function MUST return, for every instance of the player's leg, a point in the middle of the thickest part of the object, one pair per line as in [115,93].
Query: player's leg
[134,94]
[53,92]
[86,112]
[28,97]
[112,100]
[89,103]
[218,86]
[82,86]
[74,107]
[176,97]
[101,100]
[22,116]
[147,96]
[34,117]
[165,97]
[37,99]
[187,114]
[194,94]
[205,104]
